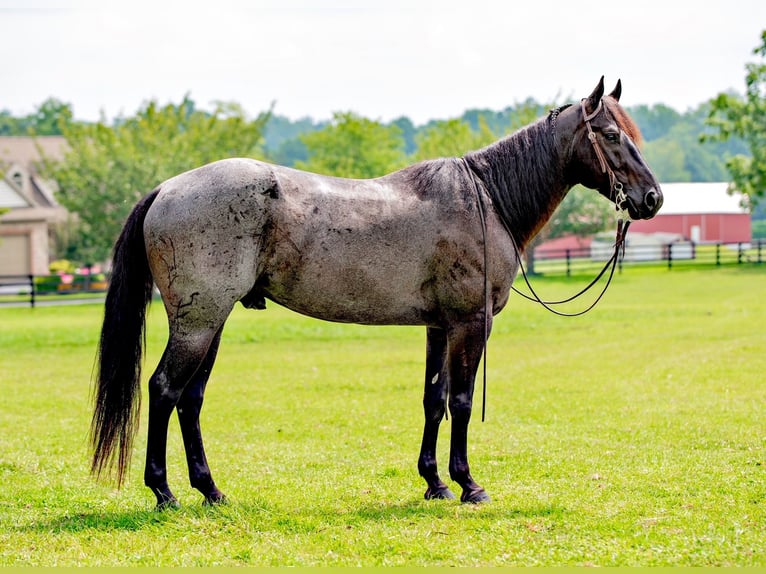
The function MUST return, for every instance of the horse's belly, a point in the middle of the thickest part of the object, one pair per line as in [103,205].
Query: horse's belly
[376,294]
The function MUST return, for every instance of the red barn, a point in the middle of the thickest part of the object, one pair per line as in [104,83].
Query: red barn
[701,212]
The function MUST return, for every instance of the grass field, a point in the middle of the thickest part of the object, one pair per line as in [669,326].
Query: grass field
[633,435]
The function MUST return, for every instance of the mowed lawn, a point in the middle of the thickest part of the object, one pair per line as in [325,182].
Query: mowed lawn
[634,435]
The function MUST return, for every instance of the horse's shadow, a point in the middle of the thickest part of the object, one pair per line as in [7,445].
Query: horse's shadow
[275,517]
[129,521]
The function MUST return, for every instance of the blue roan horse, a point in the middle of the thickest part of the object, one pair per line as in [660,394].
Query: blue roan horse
[414,247]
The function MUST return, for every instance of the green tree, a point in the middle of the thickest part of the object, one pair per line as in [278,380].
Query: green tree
[10,125]
[655,121]
[667,158]
[583,212]
[50,119]
[108,168]
[408,133]
[451,138]
[353,146]
[289,152]
[280,129]
[731,115]
[522,114]
[473,130]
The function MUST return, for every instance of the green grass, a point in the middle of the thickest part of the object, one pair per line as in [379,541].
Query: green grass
[631,436]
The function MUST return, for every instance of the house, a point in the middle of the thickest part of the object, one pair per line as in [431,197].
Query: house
[26,228]
[700,212]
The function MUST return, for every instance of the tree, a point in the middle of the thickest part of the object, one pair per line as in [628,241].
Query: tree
[583,212]
[408,133]
[473,130]
[9,125]
[451,138]
[667,158]
[50,119]
[282,142]
[655,121]
[106,169]
[289,152]
[731,115]
[353,146]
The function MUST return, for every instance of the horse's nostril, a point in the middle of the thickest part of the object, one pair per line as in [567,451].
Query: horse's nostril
[651,199]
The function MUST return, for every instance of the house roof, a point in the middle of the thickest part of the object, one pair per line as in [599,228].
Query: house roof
[697,198]
[25,150]
[21,187]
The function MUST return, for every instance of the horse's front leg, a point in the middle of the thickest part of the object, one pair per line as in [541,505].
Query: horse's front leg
[465,344]
[434,407]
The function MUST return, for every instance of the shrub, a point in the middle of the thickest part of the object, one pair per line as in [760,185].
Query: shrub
[47,283]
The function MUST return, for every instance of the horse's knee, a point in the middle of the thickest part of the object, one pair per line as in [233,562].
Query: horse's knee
[434,409]
[163,391]
[460,409]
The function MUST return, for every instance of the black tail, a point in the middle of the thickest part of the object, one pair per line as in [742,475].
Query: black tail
[117,396]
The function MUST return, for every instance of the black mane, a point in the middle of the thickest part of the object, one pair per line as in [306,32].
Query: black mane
[522,174]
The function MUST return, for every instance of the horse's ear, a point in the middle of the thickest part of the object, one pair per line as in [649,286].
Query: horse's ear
[597,94]
[617,91]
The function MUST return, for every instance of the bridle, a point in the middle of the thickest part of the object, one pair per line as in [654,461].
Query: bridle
[620,197]
[623,222]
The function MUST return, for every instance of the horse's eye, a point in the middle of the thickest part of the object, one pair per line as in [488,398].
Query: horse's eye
[612,137]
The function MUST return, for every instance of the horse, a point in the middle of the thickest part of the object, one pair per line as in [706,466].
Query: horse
[436,244]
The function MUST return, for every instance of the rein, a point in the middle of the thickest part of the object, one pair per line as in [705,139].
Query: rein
[619,251]
[623,222]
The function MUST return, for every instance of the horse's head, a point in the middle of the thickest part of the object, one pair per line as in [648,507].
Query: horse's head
[603,153]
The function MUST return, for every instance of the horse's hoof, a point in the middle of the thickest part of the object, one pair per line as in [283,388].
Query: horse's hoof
[170,504]
[474,496]
[441,493]
[216,499]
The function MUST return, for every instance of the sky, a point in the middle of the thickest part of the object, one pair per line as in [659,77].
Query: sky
[382,59]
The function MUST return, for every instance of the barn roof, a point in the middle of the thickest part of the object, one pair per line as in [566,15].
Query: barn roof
[688,198]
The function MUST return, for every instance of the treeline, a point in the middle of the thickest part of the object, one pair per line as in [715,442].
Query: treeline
[672,143]
[672,139]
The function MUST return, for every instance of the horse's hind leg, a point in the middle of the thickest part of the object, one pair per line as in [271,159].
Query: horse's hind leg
[184,354]
[189,407]
[434,407]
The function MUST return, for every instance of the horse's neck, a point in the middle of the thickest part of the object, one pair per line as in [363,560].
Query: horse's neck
[524,177]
